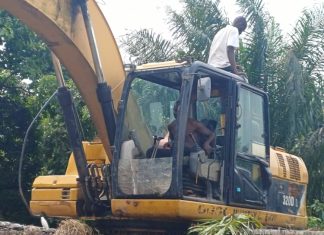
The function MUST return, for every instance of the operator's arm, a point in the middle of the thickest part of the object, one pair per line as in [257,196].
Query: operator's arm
[165,142]
[201,129]
[231,58]
[171,130]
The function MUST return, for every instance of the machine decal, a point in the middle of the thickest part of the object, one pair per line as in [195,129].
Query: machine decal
[211,210]
[288,200]
[286,197]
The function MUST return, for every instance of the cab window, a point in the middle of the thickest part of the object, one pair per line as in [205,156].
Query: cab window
[250,137]
[148,111]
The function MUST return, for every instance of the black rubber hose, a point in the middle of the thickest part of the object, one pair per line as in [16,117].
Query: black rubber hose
[23,151]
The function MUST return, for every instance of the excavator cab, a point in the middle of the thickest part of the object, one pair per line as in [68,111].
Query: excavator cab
[234,173]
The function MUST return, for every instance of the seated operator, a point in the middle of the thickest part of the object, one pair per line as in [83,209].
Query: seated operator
[195,132]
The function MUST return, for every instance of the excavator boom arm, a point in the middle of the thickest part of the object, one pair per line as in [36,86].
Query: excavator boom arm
[59,23]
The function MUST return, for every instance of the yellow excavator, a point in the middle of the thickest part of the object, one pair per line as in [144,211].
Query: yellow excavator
[124,179]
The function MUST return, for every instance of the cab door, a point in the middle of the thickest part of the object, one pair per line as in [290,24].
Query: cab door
[250,177]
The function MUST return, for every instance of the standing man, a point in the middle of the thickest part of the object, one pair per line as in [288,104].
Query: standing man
[225,42]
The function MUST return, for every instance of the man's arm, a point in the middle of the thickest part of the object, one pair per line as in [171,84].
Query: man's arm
[201,129]
[171,129]
[231,58]
[164,143]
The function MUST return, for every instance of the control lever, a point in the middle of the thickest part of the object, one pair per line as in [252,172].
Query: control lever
[156,142]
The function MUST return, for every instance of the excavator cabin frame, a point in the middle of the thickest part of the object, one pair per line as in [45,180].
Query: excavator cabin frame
[242,180]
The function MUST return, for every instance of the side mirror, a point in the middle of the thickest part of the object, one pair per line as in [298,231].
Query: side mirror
[203,89]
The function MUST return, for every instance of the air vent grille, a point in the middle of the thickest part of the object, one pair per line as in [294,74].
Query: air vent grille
[294,168]
[282,164]
[65,194]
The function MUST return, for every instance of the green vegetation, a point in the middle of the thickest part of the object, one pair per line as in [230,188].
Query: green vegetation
[27,79]
[316,215]
[230,225]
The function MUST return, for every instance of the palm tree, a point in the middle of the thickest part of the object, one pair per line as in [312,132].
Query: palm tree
[302,75]
[307,51]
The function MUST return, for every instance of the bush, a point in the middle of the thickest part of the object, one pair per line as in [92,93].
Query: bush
[316,215]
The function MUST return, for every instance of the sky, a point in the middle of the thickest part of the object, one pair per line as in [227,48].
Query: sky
[126,15]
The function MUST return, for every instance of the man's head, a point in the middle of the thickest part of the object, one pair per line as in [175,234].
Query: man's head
[240,23]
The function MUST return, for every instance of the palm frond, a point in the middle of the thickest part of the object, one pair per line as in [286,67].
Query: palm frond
[230,224]
[146,46]
[307,41]
[195,27]
[254,56]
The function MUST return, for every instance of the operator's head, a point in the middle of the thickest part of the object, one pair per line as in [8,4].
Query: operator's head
[240,23]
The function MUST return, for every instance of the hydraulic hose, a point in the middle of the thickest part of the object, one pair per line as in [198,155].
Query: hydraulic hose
[23,151]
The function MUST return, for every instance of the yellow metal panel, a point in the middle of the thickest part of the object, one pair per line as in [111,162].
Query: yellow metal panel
[165,64]
[54,208]
[56,181]
[285,169]
[94,152]
[274,165]
[71,167]
[181,209]
[55,194]
[60,25]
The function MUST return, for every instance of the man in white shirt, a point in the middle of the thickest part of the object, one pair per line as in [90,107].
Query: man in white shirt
[224,44]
